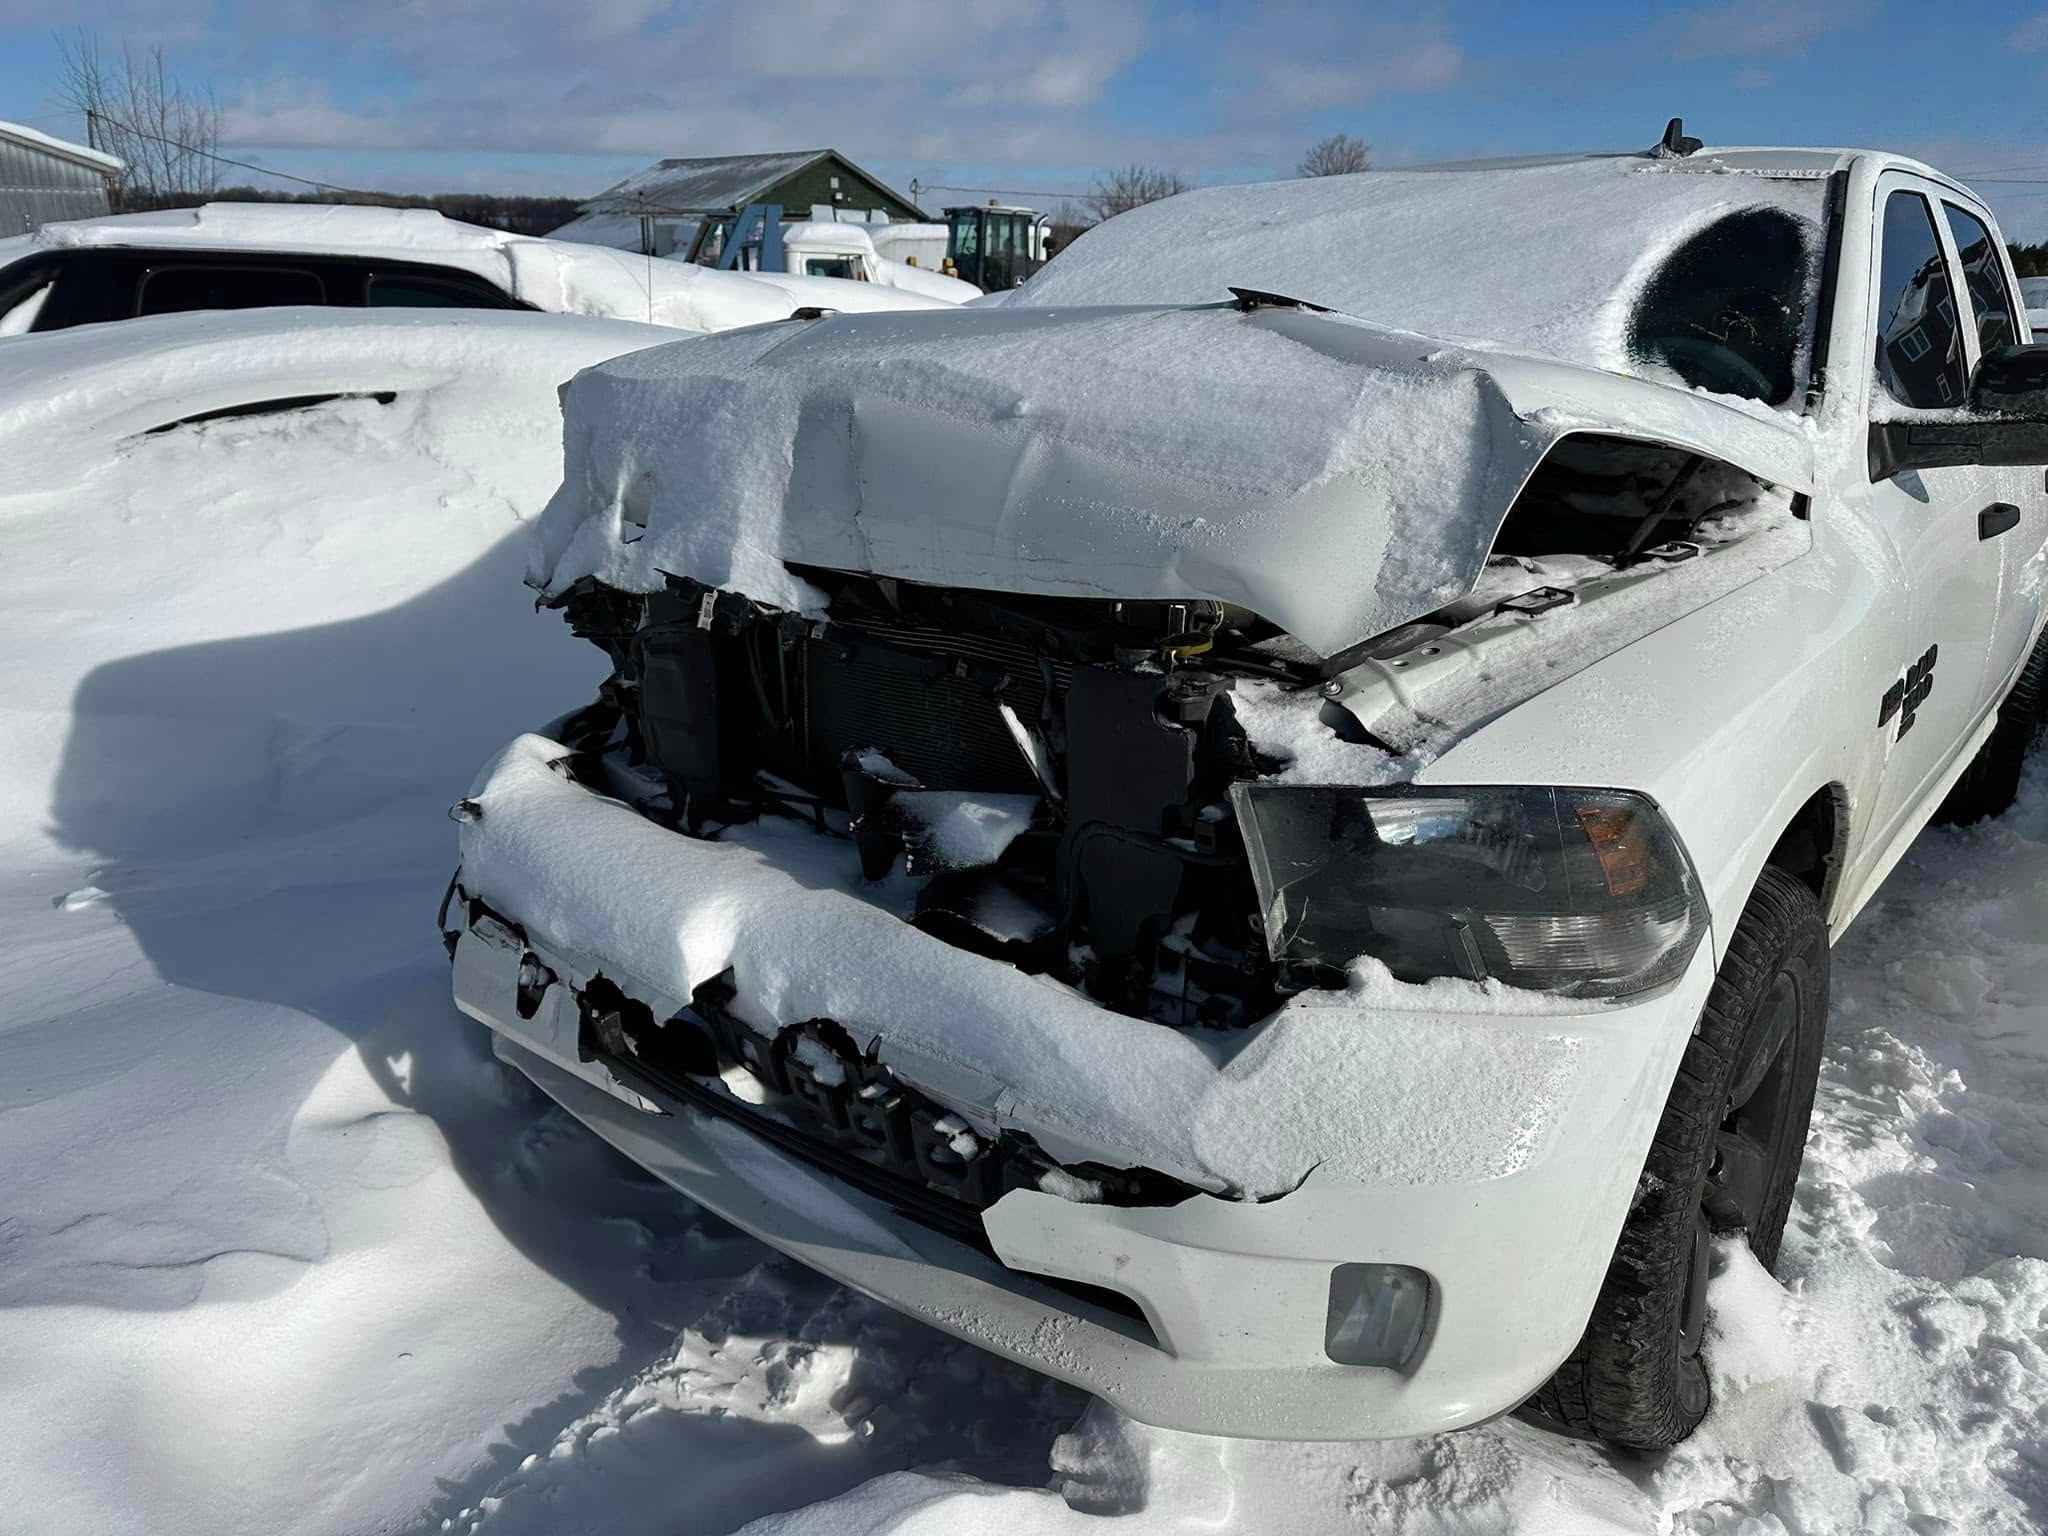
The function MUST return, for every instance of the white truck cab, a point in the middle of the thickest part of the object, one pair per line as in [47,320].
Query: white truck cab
[845,250]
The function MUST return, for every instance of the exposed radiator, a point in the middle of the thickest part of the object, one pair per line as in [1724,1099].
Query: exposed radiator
[927,700]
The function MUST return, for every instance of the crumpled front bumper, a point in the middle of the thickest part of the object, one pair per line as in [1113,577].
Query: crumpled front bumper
[1234,1294]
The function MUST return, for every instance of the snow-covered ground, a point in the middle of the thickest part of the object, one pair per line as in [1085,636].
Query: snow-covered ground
[283,1249]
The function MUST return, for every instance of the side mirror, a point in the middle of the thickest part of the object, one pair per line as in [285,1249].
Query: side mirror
[2004,422]
[2012,382]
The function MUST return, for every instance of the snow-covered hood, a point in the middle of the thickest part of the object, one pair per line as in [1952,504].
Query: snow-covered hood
[1335,477]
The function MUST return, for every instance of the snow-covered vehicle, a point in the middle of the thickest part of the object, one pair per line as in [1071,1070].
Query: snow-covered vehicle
[259,255]
[848,253]
[1203,832]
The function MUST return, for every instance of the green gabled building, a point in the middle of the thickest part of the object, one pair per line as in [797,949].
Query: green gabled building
[668,207]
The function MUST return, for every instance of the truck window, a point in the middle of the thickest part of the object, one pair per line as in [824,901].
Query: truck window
[1984,276]
[1919,342]
[169,290]
[408,290]
[1727,309]
[829,266]
[24,294]
[966,233]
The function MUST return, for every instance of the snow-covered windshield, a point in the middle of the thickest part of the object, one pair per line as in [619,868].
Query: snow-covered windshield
[1544,258]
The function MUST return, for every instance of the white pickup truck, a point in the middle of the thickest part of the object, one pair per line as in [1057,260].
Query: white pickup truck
[1212,831]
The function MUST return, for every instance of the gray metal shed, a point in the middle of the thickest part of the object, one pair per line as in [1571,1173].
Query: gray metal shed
[45,179]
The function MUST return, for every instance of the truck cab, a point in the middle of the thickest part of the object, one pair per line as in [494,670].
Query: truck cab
[995,247]
[757,240]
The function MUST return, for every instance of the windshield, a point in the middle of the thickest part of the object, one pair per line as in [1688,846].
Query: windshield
[1726,311]
[2034,292]
[1584,260]
[966,233]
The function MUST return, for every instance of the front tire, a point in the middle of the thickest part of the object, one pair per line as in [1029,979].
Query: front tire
[1725,1159]
[1991,783]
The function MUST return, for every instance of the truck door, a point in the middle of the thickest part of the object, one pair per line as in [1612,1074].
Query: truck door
[2017,521]
[1924,348]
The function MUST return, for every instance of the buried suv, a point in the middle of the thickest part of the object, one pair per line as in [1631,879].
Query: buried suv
[1205,834]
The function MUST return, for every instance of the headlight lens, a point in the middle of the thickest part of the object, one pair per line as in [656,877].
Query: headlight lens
[1584,892]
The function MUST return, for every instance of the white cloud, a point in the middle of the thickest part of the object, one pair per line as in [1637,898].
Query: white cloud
[1421,64]
[2031,35]
[936,84]
[656,77]
[1762,28]
[1292,59]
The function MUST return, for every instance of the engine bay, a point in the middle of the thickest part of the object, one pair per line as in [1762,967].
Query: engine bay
[1053,774]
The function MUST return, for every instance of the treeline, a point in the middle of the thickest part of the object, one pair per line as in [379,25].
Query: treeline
[2029,260]
[517,215]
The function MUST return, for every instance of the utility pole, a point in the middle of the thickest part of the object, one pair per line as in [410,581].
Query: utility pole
[92,128]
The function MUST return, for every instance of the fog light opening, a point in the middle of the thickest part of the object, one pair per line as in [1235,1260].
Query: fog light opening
[1379,1315]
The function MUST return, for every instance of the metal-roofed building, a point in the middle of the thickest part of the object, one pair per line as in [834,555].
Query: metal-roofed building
[44,180]
[664,208]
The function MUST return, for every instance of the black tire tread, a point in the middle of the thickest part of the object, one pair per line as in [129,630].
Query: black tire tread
[1621,1384]
[1991,783]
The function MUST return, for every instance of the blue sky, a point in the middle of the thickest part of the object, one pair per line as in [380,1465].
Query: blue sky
[1041,95]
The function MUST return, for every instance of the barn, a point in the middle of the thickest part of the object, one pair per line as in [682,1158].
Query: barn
[45,179]
[665,209]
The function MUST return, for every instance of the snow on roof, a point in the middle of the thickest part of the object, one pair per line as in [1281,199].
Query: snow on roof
[398,234]
[50,143]
[830,236]
[1544,258]
[692,185]
[337,227]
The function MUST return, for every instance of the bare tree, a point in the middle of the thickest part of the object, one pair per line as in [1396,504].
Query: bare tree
[1131,187]
[165,133]
[1068,223]
[1338,155]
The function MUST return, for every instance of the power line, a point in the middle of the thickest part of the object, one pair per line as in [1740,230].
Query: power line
[917,186]
[194,149]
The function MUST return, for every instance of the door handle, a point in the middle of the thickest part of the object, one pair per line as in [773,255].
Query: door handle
[1999,517]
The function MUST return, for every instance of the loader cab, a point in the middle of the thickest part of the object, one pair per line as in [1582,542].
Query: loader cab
[994,247]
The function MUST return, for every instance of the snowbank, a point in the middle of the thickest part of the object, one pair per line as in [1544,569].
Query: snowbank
[280,1249]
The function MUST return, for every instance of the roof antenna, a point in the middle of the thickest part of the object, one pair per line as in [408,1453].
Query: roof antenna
[1675,144]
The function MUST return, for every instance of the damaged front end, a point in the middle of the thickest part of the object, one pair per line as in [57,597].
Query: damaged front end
[1047,780]
[983,639]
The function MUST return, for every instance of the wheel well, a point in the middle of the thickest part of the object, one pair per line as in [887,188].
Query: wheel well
[1810,847]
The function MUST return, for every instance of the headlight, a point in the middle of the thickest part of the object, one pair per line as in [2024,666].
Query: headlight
[1584,892]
